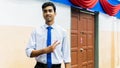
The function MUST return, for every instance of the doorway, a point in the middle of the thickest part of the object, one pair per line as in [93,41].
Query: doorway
[82,38]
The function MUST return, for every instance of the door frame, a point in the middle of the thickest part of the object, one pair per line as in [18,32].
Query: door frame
[96,32]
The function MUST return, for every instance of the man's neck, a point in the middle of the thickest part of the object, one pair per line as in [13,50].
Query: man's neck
[49,23]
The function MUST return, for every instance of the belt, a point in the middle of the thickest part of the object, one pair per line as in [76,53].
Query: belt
[45,65]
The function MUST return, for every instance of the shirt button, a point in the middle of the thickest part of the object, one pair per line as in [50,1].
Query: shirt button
[44,61]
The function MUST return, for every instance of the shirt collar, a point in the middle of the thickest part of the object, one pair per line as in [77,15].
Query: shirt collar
[53,26]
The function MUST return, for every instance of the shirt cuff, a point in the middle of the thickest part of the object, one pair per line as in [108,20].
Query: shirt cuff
[28,52]
[67,61]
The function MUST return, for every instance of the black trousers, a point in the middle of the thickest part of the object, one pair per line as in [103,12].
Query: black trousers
[41,65]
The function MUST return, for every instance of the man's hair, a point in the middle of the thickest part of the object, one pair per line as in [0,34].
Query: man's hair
[46,4]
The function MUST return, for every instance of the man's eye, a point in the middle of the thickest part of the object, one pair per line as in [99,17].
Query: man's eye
[50,10]
[45,11]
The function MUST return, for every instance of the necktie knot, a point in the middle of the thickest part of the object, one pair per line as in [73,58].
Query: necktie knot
[49,27]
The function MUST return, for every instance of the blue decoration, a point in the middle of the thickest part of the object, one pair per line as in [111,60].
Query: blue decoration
[97,7]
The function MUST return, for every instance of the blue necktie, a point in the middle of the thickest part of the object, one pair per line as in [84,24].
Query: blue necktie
[49,60]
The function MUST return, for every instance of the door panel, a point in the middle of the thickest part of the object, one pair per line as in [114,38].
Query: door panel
[74,39]
[82,39]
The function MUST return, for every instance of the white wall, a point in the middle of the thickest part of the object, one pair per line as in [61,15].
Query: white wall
[109,37]
[29,13]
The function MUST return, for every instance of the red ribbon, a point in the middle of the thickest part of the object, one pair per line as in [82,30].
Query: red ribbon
[84,3]
[110,9]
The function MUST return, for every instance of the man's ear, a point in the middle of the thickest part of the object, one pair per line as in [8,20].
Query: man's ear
[55,13]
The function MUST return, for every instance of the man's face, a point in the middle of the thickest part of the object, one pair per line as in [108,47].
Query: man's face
[49,14]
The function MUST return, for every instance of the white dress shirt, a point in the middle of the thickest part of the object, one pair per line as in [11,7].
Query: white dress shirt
[38,41]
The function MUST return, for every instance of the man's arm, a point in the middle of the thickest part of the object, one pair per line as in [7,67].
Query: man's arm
[66,51]
[49,49]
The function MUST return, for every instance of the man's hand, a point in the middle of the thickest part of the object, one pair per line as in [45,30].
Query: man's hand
[52,47]
[67,65]
[49,49]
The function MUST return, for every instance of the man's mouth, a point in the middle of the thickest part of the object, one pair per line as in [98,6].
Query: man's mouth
[48,17]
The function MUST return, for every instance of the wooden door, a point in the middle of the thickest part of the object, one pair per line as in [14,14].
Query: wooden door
[82,39]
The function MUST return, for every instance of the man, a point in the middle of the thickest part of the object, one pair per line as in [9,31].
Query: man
[48,43]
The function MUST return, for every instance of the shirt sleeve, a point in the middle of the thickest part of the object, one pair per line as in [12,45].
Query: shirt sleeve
[31,44]
[66,49]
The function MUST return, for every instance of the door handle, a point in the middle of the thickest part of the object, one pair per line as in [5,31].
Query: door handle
[81,49]
[81,32]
